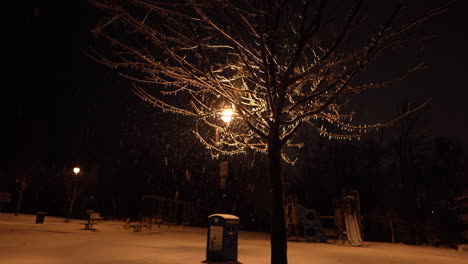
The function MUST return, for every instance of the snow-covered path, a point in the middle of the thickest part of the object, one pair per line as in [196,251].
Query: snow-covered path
[23,241]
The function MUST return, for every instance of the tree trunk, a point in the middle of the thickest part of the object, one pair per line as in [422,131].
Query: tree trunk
[18,205]
[278,222]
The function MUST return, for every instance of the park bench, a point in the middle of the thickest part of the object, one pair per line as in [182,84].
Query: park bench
[159,221]
[137,226]
[95,217]
[88,226]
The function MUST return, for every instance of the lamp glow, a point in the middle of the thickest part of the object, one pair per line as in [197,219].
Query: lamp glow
[226,115]
[76,170]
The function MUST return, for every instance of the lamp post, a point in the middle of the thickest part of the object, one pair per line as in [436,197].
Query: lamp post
[73,192]
[226,116]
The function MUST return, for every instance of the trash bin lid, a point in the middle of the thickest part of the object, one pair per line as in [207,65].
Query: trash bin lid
[225,216]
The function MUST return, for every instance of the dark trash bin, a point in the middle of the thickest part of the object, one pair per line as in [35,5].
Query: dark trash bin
[40,217]
[223,232]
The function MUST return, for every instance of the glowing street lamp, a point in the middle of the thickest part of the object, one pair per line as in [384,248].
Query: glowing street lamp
[72,197]
[226,115]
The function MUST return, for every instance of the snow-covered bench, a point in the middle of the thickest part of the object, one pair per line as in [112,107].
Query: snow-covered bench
[88,225]
[95,217]
[136,227]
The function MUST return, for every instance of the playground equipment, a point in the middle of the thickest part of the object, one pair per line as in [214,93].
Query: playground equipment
[313,229]
[350,205]
[346,221]
[158,210]
[299,219]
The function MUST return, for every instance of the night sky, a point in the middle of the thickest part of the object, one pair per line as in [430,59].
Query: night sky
[56,81]
[443,81]
[59,105]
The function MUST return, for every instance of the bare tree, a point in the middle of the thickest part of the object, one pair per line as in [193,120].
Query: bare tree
[23,180]
[277,65]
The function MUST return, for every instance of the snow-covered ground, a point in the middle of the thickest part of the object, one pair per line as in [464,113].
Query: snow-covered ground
[23,241]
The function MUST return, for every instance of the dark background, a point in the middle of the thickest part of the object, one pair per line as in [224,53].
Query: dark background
[61,109]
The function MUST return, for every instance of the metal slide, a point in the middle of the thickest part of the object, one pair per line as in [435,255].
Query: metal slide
[353,232]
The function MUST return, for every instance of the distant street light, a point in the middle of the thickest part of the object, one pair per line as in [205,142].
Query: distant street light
[73,193]
[226,115]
